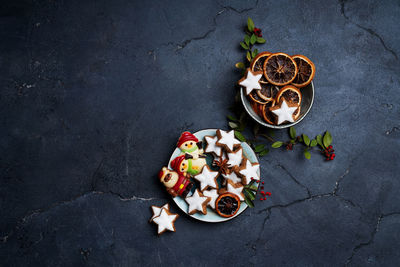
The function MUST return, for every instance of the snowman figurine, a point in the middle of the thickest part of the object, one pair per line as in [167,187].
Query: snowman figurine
[190,146]
[184,165]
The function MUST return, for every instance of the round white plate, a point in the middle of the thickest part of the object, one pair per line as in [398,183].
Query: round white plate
[211,215]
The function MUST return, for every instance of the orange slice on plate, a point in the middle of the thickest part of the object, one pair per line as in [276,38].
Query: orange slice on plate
[305,71]
[227,205]
[280,69]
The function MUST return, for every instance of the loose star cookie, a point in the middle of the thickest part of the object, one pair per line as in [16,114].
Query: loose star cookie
[165,221]
[249,170]
[233,176]
[157,210]
[213,194]
[211,146]
[227,140]
[251,81]
[207,178]
[235,157]
[197,202]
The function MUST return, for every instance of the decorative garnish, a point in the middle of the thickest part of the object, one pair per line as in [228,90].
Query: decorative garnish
[250,192]
[222,165]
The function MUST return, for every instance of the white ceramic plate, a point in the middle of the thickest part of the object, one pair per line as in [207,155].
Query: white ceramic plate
[211,215]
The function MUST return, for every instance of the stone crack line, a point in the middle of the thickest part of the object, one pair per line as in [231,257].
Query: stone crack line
[394,129]
[239,11]
[371,239]
[370,31]
[294,179]
[36,212]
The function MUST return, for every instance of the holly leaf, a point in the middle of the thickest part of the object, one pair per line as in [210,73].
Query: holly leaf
[253,39]
[260,40]
[248,56]
[240,65]
[259,148]
[233,125]
[313,143]
[327,139]
[306,140]
[250,24]
[247,39]
[319,140]
[231,118]
[252,187]
[277,144]
[240,136]
[249,202]
[264,152]
[292,132]
[249,194]
[244,45]
[307,154]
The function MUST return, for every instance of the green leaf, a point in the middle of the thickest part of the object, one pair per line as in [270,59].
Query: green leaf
[249,194]
[240,65]
[253,54]
[248,56]
[240,136]
[231,118]
[259,148]
[244,45]
[327,139]
[300,139]
[292,132]
[277,144]
[233,125]
[247,39]
[306,140]
[252,187]
[256,51]
[249,202]
[260,40]
[313,143]
[292,141]
[264,152]
[250,24]
[307,154]
[253,39]
[319,140]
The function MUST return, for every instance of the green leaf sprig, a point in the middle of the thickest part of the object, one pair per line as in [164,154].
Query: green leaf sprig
[250,192]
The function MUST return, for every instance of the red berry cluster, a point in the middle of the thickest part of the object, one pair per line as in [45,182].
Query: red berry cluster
[257,32]
[289,146]
[329,153]
[264,194]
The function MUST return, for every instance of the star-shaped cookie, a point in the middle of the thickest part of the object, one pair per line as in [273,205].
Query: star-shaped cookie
[251,81]
[211,146]
[235,157]
[227,140]
[165,221]
[197,202]
[207,178]
[213,194]
[249,170]
[157,210]
[284,112]
[233,177]
[235,189]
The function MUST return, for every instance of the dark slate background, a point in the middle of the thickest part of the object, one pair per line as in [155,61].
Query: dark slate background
[94,95]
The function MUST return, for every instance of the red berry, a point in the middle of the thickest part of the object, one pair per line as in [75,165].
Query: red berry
[262,187]
[268,193]
[261,198]
[262,182]
[329,147]
[262,192]
[257,181]
[265,198]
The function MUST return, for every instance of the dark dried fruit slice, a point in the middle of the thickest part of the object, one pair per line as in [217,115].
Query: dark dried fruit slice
[268,91]
[227,205]
[256,98]
[257,64]
[258,108]
[280,69]
[305,71]
[267,115]
[292,95]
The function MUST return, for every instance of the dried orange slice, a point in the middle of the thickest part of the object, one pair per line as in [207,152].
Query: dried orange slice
[254,97]
[257,64]
[267,115]
[268,91]
[280,69]
[227,205]
[257,108]
[305,71]
[292,95]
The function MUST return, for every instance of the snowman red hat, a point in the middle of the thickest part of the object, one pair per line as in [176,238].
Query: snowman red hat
[186,136]
[176,163]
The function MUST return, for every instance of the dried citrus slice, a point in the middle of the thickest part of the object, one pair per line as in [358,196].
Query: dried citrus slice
[305,71]
[292,95]
[256,98]
[257,64]
[267,115]
[268,91]
[227,204]
[280,69]
[257,108]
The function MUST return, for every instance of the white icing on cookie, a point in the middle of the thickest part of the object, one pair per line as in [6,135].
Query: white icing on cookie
[235,158]
[165,221]
[233,177]
[251,82]
[213,194]
[235,190]
[211,145]
[157,210]
[285,113]
[250,171]
[228,139]
[196,202]
[207,178]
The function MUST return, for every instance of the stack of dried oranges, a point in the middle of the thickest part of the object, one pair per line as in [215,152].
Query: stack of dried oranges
[282,78]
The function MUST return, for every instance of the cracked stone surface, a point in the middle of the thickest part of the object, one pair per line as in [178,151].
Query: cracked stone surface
[95,94]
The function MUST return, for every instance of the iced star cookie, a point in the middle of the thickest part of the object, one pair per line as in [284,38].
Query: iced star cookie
[197,203]
[251,81]
[249,170]
[235,189]
[211,146]
[233,176]
[157,210]
[207,178]
[213,194]
[284,112]
[227,140]
[165,221]
[235,157]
